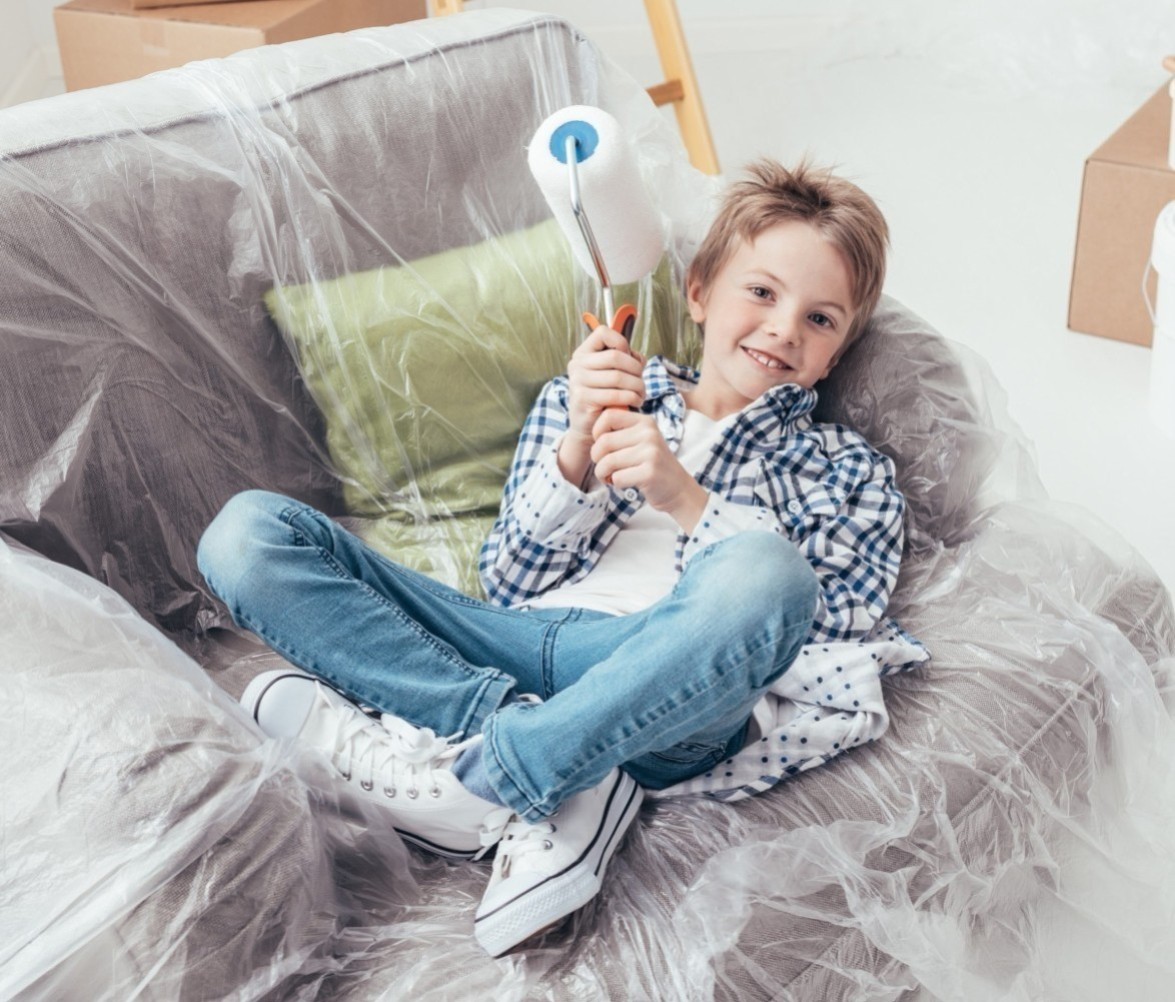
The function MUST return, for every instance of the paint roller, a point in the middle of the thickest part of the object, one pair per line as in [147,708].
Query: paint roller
[579,158]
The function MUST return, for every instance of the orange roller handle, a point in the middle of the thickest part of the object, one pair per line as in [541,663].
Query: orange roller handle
[623,321]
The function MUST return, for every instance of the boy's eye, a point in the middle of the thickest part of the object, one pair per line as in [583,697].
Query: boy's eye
[760,292]
[822,320]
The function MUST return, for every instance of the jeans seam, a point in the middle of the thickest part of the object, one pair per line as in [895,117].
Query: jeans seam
[547,664]
[364,693]
[488,676]
[476,717]
[488,745]
[290,512]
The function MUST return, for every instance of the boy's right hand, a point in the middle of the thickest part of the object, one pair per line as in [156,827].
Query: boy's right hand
[603,372]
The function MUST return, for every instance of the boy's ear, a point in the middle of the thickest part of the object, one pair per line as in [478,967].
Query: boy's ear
[695,297]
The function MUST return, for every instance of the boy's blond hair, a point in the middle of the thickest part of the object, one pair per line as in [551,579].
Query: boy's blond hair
[840,211]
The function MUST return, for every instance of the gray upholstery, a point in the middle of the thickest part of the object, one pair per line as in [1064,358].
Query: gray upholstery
[137,295]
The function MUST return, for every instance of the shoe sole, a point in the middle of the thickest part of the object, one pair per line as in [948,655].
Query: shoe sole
[434,849]
[546,904]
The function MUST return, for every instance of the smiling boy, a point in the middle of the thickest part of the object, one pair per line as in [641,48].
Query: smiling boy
[765,331]
[668,540]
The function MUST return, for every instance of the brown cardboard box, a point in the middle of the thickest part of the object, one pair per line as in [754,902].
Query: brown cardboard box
[1127,182]
[143,4]
[104,41]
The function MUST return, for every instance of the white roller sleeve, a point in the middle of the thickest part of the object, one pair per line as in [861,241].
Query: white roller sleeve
[626,226]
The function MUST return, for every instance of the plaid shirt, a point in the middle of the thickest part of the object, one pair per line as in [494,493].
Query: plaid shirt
[821,485]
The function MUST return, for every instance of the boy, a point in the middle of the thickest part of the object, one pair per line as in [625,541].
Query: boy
[667,542]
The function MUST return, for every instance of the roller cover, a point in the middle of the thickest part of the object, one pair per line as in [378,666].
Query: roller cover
[626,227]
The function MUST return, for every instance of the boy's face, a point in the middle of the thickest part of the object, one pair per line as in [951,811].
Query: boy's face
[776,312]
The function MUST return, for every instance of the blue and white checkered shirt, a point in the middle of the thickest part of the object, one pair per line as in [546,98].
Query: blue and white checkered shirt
[773,467]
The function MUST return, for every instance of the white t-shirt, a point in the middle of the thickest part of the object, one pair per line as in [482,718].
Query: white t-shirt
[637,569]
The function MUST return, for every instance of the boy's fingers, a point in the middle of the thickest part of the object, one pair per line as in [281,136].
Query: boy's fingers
[610,381]
[615,419]
[607,453]
[608,358]
[620,463]
[587,383]
[610,397]
[606,337]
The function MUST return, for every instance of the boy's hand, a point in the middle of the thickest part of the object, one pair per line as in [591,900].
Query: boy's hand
[603,372]
[630,451]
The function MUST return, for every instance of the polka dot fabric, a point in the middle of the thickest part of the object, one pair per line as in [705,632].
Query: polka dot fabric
[829,701]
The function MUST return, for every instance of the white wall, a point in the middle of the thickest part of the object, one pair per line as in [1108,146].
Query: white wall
[28,49]
[17,44]
[39,14]
[1049,46]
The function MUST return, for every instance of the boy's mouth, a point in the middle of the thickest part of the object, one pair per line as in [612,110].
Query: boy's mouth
[765,360]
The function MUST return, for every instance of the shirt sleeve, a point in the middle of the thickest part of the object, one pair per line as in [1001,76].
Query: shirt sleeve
[847,522]
[545,524]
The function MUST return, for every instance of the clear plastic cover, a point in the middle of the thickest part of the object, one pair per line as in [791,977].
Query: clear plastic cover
[323,268]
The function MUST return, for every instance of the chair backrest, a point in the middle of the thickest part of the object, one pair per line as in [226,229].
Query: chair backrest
[923,401]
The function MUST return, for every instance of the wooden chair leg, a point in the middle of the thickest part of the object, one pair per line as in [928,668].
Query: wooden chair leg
[679,73]
[680,87]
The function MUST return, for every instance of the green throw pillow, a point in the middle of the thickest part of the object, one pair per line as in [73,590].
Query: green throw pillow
[425,373]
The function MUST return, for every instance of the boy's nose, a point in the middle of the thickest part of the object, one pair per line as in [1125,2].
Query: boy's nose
[784,327]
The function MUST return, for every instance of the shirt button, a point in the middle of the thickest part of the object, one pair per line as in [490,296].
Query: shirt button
[631,494]
[795,507]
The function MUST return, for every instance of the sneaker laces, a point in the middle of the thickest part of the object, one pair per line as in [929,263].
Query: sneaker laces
[403,758]
[360,747]
[520,838]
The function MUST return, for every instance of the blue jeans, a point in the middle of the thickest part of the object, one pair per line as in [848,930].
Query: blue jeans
[666,692]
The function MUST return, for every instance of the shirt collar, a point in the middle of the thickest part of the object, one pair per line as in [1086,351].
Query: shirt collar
[777,411]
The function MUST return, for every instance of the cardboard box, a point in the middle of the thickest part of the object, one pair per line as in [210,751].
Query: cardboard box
[1127,182]
[144,4]
[105,41]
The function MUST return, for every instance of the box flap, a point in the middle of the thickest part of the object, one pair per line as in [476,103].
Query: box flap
[260,14]
[1142,139]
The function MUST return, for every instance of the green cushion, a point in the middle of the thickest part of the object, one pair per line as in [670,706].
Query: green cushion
[425,373]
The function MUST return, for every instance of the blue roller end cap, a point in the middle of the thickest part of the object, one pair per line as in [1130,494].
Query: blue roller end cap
[586,140]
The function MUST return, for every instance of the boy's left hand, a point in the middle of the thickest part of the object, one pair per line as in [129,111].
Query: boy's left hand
[630,451]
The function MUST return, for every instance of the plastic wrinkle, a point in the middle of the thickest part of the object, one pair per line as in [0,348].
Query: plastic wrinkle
[323,268]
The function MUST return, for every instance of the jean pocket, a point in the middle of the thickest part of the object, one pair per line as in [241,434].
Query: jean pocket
[691,753]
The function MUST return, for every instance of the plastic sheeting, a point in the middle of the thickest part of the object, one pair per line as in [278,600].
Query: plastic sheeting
[154,845]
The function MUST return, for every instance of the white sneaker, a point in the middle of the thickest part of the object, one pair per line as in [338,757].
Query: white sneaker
[407,770]
[545,871]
